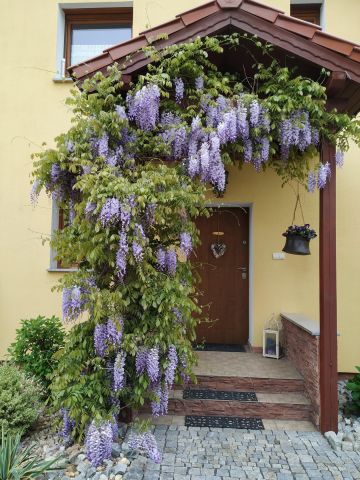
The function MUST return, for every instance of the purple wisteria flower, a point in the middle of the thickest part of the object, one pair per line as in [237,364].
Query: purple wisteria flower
[179,142]
[69,146]
[323,174]
[296,131]
[121,256]
[199,83]
[254,113]
[183,365]
[171,262]
[161,259]
[144,107]
[265,149]
[204,156]
[89,209]
[68,426]
[315,136]
[110,212]
[242,123]
[72,302]
[193,165]
[141,360]
[152,364]
[146,444]
[137,248]
[156,407]
[103,146]
[339,158]
[114,332]
[172,359]
[125,216]
[160,405]
[98,442]
[35,191]
[100,339]
[185,243]
[150,213]
[312,182]
[119,371]
[120,110]
[179,89]
[248,151]
[138,251]
[55,173]
[178,315]
[113,158]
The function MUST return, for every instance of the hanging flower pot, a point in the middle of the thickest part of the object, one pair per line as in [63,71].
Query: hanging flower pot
[298,239]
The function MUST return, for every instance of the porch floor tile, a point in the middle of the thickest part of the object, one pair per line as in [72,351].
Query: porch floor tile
[238,364]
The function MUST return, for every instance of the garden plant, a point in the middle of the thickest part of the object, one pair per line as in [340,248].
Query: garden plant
[20,399]
[131,176]
[36,342]
[18,463]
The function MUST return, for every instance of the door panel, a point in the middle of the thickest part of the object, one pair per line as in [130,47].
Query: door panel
[224,285]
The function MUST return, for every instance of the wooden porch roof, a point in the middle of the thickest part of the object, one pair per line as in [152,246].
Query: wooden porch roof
[304,40]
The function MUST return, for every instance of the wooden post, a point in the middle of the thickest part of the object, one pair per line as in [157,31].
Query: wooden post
[328,306]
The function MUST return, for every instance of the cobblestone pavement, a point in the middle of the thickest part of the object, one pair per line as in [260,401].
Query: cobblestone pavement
[216,454]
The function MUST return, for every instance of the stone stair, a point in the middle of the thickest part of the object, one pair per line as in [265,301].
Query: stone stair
[276,406]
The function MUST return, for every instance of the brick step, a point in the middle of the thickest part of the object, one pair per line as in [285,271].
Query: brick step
[285,406]
[249,384]
[278,411]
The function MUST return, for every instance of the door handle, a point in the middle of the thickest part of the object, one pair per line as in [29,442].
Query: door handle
[243,269]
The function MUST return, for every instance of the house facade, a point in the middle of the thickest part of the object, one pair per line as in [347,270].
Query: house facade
[39,40]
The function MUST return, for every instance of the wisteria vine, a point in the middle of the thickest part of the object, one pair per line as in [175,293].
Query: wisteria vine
[131,176]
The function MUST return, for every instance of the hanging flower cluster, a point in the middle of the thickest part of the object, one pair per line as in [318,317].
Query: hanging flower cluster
[98,442]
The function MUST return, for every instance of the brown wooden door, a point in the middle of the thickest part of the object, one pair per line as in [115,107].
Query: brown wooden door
[224,285]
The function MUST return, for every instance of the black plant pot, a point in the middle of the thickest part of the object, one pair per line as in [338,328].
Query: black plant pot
[297,245]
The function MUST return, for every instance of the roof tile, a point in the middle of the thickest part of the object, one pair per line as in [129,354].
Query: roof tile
[123,49]
[198,13]
[260,10]
[229,4]
[355,54]
[305,29]
[333,43]
[168,27]
[91,65]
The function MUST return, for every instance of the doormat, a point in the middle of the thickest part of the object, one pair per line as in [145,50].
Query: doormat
[219,395]
[223,422]
[218,347]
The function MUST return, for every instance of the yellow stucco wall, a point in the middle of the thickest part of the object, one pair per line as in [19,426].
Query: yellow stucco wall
[33,110]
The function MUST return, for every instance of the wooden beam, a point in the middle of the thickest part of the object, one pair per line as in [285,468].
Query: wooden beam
[328,304]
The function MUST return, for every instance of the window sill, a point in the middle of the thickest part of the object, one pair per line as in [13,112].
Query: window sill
[61,270]
[59,79]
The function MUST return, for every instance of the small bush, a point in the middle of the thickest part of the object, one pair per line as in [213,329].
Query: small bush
[19,399]
[353,385]
[36,342]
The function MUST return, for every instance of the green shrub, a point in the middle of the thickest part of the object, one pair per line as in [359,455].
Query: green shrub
[19,399]
[36,342]
[17,464]
[353,385]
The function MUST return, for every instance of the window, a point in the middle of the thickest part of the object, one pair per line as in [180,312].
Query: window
[309,12]
[90,31]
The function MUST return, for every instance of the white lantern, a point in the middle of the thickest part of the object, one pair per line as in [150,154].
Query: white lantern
[271,343]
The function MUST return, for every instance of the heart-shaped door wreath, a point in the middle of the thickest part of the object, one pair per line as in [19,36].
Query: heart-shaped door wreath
[218,249]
